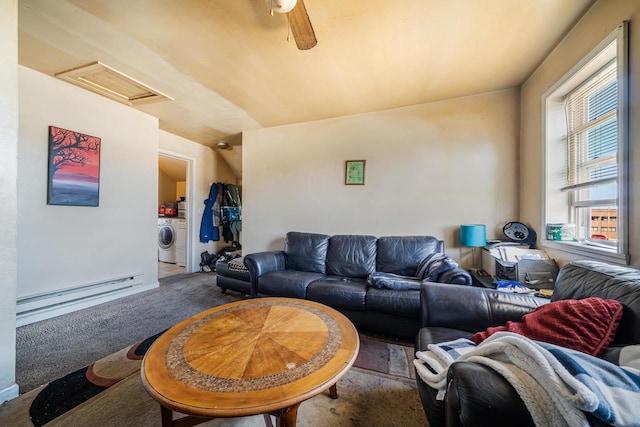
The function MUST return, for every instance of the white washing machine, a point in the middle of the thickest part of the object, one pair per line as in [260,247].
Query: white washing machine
[166,240]
[181,241]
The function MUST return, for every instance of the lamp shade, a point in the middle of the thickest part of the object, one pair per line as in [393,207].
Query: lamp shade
[473,235]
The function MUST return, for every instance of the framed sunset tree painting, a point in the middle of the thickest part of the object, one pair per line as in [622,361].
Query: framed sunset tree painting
[74,168]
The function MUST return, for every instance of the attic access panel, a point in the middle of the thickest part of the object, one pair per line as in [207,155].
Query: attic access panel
[106,81]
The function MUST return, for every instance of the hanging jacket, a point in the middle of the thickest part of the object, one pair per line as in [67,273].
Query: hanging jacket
[209,231]
[232,195]
[233,199]
[230,200]
[217,220]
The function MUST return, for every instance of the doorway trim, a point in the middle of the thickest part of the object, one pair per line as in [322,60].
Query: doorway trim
[191,192]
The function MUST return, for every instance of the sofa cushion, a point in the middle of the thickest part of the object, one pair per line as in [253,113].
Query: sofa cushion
[339,292]
[306,251]
[584,279]
[587,325]
[286,283]
[402,254]
[405,303]
[351,255]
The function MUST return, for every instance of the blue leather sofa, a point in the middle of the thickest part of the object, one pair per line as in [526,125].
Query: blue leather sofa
[333,270]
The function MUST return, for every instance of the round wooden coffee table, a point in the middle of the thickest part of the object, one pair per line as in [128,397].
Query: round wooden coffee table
[256,356]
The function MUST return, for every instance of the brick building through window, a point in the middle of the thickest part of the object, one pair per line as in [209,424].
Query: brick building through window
[604,224]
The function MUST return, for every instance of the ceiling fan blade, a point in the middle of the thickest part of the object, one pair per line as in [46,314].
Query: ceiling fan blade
[301,27]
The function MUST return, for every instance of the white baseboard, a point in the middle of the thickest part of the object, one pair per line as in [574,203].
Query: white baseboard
[9,393]
[48,311]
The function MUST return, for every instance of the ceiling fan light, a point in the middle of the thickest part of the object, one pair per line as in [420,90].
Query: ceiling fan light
[281,6]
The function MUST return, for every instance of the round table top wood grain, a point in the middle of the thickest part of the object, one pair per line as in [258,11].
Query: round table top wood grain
[250,357]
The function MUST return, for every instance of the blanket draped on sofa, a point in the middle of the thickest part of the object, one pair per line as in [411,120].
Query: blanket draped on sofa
[558,385]
[428,271]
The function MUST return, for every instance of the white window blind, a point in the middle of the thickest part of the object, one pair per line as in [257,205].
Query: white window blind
[592,111]
[586,131]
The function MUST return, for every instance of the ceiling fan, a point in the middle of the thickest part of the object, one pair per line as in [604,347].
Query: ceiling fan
[298,21]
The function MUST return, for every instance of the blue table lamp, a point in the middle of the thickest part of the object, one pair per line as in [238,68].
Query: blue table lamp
[473,235]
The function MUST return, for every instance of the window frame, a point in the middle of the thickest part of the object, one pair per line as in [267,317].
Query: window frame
[616,253]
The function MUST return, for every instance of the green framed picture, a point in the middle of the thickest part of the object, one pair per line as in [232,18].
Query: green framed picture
[354,172]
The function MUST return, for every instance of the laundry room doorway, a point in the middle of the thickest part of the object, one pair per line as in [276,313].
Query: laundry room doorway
[175,213]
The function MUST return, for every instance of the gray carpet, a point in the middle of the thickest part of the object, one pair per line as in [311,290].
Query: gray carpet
[381,393]
[51,348]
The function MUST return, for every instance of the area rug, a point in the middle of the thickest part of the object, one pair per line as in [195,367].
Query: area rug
[385,357]
[379,390]
[42,348]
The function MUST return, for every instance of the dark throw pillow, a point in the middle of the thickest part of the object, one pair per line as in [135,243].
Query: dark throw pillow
[587,325]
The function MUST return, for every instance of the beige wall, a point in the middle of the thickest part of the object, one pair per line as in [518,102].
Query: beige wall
[8,194]
[62,247]
[166,188]
[209,167]
[601,20]
[181,189]
[430,168]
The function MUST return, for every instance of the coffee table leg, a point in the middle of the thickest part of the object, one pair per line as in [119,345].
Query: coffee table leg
[287,417]
[333,391]
[188,421]
[167,416]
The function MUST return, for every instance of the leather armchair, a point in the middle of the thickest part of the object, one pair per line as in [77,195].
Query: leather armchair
[477,395]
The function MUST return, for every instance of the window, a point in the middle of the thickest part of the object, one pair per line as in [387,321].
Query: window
[586,142]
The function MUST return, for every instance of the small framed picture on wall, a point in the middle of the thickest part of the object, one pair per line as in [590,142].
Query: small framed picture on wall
[354,172]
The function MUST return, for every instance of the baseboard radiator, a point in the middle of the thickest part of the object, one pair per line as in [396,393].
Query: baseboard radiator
[42,306]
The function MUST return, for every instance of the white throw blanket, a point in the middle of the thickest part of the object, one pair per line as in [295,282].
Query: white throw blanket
[556,384]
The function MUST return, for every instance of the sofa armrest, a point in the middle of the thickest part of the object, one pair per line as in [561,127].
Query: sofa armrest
[260,263]
[479,396]
[456,276]
[471,308]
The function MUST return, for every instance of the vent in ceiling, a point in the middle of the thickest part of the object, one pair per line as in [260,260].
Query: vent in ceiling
[108,82]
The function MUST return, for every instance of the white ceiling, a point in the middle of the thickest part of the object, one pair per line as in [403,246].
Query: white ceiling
[229,68]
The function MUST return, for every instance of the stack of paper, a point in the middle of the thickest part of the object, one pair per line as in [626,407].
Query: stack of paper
[510,255]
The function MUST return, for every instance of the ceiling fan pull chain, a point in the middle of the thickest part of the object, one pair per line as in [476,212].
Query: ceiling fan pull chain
[288,31]
[271,8]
